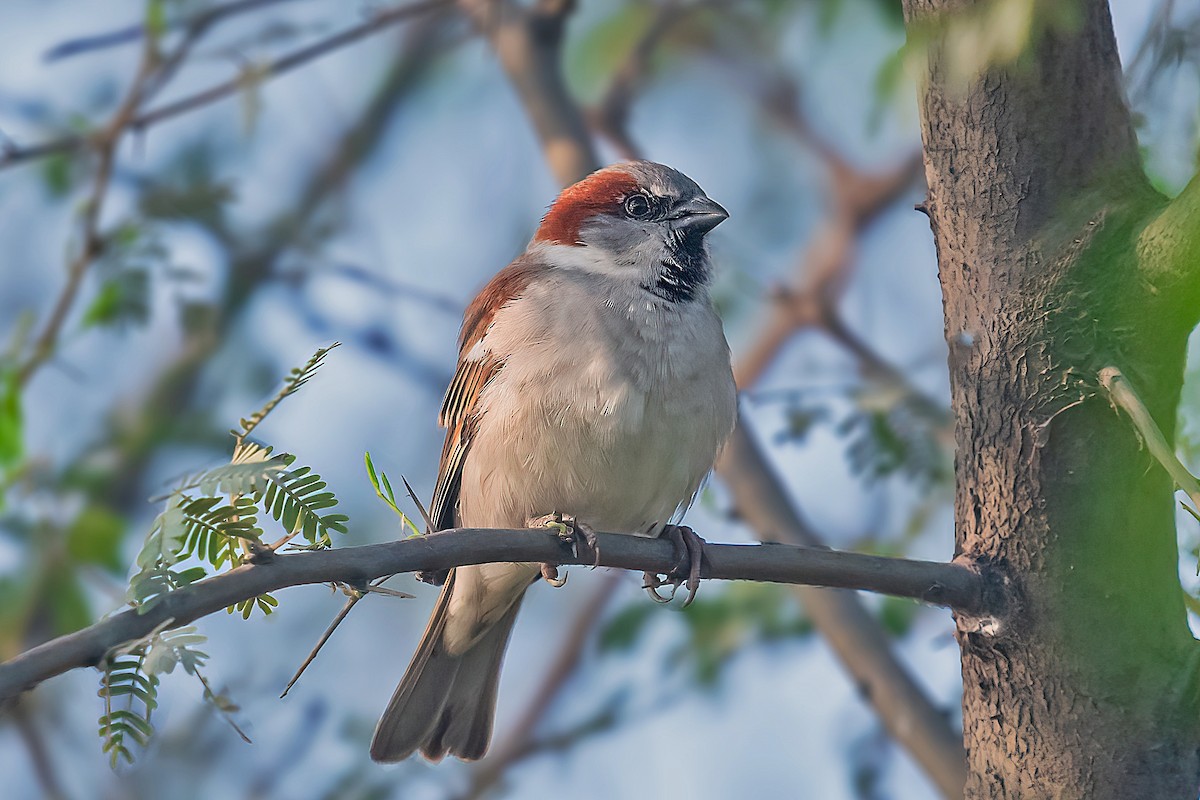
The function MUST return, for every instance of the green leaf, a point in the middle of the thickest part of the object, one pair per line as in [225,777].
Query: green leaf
[123,299]
[95,538]
[897,615]
[11,420]
[295,379]
[58,174]
[295,500]
[383,490]
[156,19]
[604,46]
[69,609]
[622,631]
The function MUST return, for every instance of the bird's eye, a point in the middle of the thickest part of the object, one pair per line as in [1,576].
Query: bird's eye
[638,206]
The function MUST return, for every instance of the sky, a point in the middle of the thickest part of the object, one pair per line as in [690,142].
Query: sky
[453,194]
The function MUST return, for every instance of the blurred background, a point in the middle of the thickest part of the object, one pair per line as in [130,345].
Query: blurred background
[360,189]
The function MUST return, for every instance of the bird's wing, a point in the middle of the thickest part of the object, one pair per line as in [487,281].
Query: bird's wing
[460,418]
[477,365]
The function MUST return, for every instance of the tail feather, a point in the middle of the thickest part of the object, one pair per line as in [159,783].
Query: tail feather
[445,703]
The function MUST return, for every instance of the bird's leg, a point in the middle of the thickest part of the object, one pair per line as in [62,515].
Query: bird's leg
[572,531]
[690,548]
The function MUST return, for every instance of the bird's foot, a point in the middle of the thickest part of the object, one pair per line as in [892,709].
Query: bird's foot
[690,548]
[580,535]
[570,531]
[550,576]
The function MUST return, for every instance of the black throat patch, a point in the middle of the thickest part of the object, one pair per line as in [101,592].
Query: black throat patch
[684,271]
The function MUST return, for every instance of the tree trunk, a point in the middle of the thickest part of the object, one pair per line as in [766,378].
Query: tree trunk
[1056,259]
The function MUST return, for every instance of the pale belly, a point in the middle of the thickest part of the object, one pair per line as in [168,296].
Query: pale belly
[615,456]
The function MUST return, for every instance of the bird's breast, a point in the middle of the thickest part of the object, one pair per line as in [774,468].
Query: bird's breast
[612,422]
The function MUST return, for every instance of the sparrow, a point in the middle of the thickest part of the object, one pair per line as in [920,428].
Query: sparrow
[593,389]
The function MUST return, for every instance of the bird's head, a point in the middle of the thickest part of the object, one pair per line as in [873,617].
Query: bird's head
[636,221]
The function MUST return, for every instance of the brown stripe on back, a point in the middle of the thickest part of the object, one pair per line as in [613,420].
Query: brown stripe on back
[601,192]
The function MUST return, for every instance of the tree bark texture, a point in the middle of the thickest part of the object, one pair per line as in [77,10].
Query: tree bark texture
[1056,258]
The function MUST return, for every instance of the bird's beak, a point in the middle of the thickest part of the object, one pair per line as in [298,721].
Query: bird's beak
[699,214]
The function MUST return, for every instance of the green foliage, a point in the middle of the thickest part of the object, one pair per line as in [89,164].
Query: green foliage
[11,418]
[65,601]
[207,524]
[621,632]
[213,528]
[604,45]
[123,298]
[718,625]
[897,614]
[291,384]
[886,433]
[295,500]
[132,254]
[130,678]
[383,490]
[59,175]
[124,677]
[191,189]
[986,34]
[95,536]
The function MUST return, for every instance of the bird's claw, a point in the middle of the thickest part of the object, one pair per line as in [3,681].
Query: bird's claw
[550,576]
[651,584]
[571,531]
[686,571]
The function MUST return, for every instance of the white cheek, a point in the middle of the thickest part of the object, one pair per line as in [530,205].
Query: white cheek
[584,259]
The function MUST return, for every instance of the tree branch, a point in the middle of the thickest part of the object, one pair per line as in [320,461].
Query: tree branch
[1169,251]
[943,584]
[528,44]
[854,635]
[92,241]
[376,22]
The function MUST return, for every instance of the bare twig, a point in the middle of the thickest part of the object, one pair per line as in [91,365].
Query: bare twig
[944,584]
[1125,397]
[91,240]
[354,595]
[201,21]
[528,44]
[39,754]
[376,22]
[854,635]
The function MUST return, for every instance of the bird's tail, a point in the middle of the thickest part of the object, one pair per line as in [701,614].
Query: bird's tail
[445,702]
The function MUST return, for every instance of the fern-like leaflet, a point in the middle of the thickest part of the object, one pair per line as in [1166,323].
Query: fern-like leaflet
[125,676]
[211,519]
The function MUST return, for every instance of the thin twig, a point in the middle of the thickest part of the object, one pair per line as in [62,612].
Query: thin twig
[944,584]
[91,240]
[132,33]
[1125,397]
[39,754]
[354,597]
[377,21]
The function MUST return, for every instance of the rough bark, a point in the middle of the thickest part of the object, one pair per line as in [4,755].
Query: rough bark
[1056,258]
